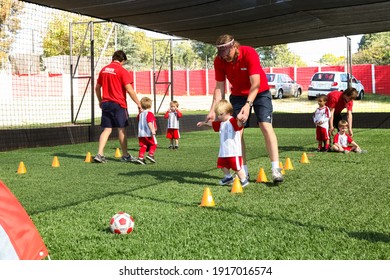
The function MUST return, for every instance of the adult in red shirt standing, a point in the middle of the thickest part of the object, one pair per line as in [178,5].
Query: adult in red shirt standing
[249,88]
[337,102]
[111,87]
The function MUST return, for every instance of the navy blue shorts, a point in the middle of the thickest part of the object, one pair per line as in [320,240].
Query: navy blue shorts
[114,115]
[262,106]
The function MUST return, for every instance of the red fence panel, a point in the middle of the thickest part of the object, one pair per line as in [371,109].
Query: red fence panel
[363,73]
[382,80]
[198,82]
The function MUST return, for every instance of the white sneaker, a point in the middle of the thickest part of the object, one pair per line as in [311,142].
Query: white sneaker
[277,176]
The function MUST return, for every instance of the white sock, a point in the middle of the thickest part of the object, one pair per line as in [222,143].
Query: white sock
[274,164]
[246,169]
[228,176]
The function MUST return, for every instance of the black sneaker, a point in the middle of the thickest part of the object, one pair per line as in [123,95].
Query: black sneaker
[140,161]
[226,181]
[128,158]
[151,158]
[170,147]
[99,159]
[176,147]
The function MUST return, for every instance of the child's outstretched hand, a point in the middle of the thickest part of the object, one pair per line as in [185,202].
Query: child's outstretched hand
[199,124]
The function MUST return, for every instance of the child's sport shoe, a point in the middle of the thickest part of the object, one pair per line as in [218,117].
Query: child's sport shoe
[361,151]
[226,181]
[277,176]
[176,147]
[140,161]
[170,147]
[99,159]
[245,183]
[151,158]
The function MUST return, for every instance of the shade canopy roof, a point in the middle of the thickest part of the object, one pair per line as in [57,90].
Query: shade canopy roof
[252,22]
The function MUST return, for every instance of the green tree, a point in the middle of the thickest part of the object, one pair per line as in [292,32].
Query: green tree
[56,40]
[206,52]
[9,25]
[373,49]
[278,56]
[331,59]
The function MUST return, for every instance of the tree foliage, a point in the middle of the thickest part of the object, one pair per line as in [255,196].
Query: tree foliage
[278,56]
[9,25]
[373,49]
[57,40]
[331,59]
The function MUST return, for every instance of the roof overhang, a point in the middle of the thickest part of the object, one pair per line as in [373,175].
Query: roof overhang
[252,22]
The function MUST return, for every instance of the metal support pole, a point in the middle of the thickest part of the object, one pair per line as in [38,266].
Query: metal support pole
[91,132]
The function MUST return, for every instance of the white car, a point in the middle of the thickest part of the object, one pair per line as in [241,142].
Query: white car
[325,82]
[282,85]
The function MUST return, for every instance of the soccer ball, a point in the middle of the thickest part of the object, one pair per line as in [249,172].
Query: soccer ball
[121,223]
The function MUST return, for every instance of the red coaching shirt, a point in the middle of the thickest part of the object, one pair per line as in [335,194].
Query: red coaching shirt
[336,101]
[238,72]
[113,79]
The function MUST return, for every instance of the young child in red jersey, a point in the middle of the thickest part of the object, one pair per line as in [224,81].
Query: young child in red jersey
[343,142]
[147,128]
[230,151]
[173,115]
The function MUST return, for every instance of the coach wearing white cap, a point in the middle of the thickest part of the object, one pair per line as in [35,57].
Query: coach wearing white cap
[249,88]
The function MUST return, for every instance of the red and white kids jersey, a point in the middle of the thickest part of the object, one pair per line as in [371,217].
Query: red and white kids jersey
[229,137]
[342,139]
[144,118]
[173,119]
[323,115]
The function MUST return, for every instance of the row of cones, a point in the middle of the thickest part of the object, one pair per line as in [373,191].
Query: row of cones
[262,178]
[22,167]
[56,163]
[208,200]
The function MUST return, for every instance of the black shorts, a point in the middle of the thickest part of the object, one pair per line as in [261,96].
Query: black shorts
[262,106]
[114,115]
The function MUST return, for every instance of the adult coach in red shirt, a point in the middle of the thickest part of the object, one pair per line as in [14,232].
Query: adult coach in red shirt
[111,87]
[337,102]
[249,88]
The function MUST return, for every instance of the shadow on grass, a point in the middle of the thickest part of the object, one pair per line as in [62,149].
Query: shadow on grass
[181,177]
[370,236]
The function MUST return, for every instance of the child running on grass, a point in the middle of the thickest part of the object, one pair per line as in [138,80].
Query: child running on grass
[147,128]
[321,120]
[343,142]
[230,152]
[173,115]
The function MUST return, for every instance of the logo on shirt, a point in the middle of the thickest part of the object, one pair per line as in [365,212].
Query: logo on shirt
[244,69]
[109,70]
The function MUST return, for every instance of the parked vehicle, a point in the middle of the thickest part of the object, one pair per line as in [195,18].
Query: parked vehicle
[282,85]
[325,82]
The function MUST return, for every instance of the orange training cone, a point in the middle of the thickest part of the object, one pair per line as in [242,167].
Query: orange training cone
[22,168]
[281,167]
[288,165]
[88,157]
[118,153]
[207,199]
[237,187]
[261,177]
[304,158]
[55,162]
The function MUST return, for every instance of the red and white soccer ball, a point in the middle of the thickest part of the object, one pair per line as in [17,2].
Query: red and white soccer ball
[121,223]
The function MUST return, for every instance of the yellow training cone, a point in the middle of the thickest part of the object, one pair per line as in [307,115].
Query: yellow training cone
[207,199]
[237,187]
[118,153]
[304,158]
[261,177]
[281,167]
[22,169]
[288,165]
[55,162]
[88,157]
